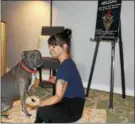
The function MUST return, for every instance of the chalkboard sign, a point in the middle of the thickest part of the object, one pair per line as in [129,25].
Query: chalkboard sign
[108,19]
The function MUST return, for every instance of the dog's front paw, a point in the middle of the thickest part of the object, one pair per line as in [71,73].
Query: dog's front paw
[28,115]
[7,116]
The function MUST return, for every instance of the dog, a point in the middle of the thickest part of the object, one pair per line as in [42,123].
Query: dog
[18,81]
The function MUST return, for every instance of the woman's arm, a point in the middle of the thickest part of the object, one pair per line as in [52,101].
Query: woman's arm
[61,86]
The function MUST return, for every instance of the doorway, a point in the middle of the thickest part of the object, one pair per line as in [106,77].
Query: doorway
[3,48]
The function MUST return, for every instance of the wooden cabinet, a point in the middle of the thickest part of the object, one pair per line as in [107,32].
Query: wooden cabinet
[3,47]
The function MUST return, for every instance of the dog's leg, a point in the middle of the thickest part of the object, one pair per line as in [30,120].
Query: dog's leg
[6,103]
[22,97]
[5,107]
[29,92]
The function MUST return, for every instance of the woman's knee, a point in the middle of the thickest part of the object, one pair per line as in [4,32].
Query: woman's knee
[44,112]
[44,109]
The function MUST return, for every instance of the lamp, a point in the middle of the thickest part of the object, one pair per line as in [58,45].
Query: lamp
[48,62]
[49,30]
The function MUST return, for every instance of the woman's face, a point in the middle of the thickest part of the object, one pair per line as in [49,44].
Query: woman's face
[55,51]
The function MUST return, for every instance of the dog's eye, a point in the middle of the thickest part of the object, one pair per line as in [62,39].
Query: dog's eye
[32,56]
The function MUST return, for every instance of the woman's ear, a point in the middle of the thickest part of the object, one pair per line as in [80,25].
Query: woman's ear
[65,46]
[23,54]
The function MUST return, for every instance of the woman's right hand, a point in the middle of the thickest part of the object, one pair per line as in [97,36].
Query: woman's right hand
[52,79]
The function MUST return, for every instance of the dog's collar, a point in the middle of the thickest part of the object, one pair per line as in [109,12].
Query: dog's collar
[26,68]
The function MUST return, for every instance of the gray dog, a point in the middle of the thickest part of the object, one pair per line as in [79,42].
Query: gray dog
[18,80]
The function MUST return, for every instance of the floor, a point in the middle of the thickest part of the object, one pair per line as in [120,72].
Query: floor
[96,108]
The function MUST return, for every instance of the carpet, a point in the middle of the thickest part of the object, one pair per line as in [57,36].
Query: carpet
[96,108]
[90,113]
[17,116]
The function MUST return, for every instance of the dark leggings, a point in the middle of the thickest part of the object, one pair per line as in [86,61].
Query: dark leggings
[67,111]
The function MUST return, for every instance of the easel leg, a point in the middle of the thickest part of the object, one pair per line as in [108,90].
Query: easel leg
[122,63]
[122,69]
[92,68]
[112,74]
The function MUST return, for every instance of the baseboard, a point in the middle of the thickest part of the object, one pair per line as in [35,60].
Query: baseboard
[102,87]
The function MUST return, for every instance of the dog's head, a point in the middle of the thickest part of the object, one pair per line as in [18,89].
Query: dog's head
[32,58]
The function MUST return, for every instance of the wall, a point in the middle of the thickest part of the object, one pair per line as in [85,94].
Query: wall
[24,26]
[24,20]
[81,18]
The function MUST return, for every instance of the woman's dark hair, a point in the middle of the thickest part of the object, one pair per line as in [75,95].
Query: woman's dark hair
[61,39]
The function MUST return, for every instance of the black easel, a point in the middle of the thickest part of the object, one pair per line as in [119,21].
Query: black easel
[112,66]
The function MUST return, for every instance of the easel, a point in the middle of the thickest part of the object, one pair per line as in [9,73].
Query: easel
[112,66]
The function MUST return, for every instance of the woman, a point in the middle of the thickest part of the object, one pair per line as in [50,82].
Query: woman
[68,102]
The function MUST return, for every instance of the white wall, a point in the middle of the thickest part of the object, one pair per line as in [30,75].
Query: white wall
[80,16]
[25,19]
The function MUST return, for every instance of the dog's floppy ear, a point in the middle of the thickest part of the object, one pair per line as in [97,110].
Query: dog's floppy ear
[23,54]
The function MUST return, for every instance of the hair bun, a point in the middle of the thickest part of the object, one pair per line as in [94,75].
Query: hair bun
[68,31]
